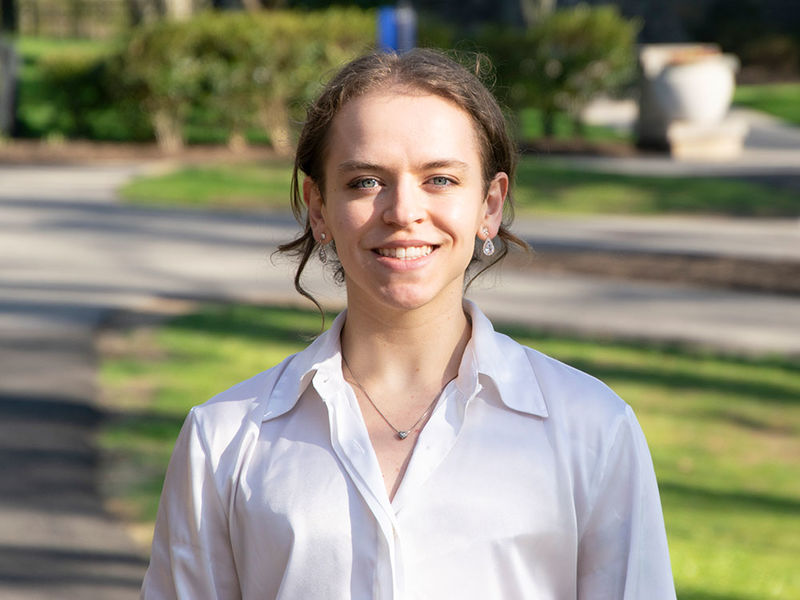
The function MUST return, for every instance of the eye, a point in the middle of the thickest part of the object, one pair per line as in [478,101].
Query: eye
[366,183]
[441,181]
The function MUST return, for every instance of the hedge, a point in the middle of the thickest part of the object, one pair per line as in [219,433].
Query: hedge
[249,70]
[564,60]
[235,75]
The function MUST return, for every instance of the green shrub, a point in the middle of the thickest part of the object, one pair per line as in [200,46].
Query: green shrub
[72,81]
[241,69]
[563,60]
[81,87]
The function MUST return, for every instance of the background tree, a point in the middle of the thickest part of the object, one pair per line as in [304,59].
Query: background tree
[8,16]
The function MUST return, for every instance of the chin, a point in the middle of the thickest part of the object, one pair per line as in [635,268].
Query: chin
[409,298]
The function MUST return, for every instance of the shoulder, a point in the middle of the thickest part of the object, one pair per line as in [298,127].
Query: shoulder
[564,388]
[578,404]
[567,388]
[592,422]
[236,411]
[240,410]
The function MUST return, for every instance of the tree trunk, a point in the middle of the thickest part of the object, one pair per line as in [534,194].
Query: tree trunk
[578,127]
[251,5]
[169,133]
[179,9]
[548,123]
[8,10]
[8,89]
[535,10]
[274,118]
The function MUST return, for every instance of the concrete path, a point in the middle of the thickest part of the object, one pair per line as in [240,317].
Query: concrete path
[70,255]
[56,539]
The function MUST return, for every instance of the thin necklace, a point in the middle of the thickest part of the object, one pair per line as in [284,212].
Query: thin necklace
[401,433]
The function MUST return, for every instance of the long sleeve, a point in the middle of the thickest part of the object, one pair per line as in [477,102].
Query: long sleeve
[622,550]
[191,555]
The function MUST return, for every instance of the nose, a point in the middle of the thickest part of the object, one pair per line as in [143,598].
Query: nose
[404,203]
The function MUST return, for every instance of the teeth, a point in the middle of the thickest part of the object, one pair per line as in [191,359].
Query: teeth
[409,253]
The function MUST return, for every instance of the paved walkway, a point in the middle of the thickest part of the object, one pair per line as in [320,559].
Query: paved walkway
[70,255]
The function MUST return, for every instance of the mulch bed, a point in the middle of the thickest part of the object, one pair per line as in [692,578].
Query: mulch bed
[768,276]
[26,152]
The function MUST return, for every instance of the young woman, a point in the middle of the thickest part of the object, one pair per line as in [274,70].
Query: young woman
[410,451]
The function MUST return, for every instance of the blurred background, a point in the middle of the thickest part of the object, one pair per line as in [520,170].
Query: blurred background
[145,161]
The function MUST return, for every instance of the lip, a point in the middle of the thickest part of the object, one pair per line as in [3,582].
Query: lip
[406,244]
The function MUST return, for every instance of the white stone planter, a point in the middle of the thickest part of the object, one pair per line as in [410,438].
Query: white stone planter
[686,91]
[698,90]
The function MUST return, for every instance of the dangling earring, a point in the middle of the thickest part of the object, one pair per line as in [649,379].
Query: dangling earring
[488,246]
[322,252]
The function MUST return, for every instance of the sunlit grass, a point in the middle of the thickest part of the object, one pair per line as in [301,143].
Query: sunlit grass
[724,432]
[781,100]
[554,186]
[252,186]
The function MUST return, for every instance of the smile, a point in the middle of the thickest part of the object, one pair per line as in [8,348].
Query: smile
[408,253]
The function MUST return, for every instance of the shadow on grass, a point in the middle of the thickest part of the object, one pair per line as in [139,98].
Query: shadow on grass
[276,324]
[724,501]
[695,594]
[298,326]
[147,425]
[766,392]
[679,377]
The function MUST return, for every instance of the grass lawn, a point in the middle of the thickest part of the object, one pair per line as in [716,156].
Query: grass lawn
[779,99]
[250,186]
[724,432]
[541,187]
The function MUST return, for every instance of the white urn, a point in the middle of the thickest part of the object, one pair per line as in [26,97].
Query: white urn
[696,89]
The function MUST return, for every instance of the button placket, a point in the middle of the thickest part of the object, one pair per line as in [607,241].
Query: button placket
[350,442]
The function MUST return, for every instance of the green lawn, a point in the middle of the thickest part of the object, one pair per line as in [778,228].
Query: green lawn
[542,186]
[779,99]
[250,186]
[724,432]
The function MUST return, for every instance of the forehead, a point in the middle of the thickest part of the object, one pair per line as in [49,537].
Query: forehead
[402,126]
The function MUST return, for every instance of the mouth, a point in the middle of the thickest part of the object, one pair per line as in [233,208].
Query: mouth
[406,252]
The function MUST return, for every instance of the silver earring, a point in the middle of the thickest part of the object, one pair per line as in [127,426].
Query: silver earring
[322,252]
[488,246]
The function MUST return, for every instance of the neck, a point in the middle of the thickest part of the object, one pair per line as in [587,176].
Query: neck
[391,349]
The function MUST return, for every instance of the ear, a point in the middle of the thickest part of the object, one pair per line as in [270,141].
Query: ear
[493,205]
[313,199]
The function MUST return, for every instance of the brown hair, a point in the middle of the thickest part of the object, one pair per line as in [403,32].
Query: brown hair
[423,70]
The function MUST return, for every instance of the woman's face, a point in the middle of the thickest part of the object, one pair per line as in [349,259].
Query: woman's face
[404,198]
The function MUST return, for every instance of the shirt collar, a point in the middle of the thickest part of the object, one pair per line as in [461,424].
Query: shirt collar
[322,357]
[505,362]
[488,353]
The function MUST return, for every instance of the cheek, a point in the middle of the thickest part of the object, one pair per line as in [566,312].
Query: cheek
[349,222]
[461,216]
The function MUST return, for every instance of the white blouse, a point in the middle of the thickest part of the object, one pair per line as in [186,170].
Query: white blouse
[530,480]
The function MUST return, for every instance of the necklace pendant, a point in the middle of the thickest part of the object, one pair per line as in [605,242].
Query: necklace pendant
[402,434]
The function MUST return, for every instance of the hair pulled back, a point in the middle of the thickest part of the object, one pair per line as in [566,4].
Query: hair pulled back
[420,70]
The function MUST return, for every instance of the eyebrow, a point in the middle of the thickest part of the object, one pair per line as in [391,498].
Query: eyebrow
[357,165]
[444,163]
